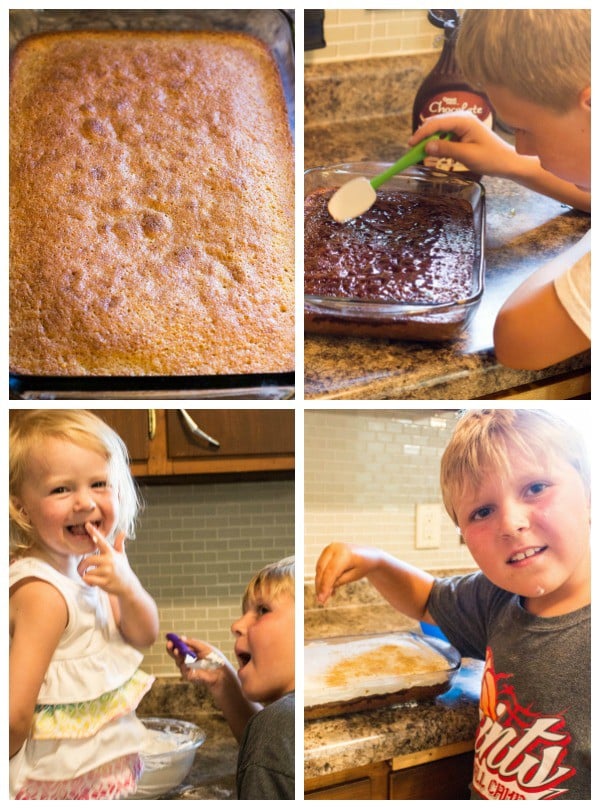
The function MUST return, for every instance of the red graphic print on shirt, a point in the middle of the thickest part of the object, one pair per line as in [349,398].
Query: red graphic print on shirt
[519,754]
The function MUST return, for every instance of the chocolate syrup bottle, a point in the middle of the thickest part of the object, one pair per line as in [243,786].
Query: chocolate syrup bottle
[444,89]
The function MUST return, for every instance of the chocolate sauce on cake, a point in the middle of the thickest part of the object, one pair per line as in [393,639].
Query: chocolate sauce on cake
[409,248]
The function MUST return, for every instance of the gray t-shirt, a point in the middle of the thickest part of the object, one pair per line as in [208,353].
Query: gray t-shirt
[533,739]
[265,768]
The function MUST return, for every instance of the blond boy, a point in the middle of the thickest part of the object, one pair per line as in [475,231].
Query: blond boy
[259,701]
[535,67]
[516,483]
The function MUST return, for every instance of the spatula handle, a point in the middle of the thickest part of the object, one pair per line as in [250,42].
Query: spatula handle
[415,155]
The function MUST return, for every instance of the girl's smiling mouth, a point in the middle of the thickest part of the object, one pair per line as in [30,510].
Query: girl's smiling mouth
[526,553]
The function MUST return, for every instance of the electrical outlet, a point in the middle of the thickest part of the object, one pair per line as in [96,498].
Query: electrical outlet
[428,526]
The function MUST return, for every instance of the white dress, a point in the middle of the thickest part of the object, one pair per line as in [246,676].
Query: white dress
[85,738]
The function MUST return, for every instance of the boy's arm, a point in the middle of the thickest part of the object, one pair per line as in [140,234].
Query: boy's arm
[405,587]
[485,152]
[38,617]
[527,171]
[229,697]
[533,329]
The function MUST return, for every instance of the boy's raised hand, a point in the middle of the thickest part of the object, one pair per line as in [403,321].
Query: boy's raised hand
[341,563]
[222,682]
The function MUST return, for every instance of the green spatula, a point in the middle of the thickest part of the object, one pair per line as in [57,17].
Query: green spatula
[356,196]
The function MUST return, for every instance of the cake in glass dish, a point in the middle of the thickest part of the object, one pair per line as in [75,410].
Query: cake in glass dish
[360,673]
[410,267]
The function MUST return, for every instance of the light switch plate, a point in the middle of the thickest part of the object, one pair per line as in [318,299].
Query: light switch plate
[428,532]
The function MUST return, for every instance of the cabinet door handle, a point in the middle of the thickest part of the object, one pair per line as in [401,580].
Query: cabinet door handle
[151,424]
[196,432]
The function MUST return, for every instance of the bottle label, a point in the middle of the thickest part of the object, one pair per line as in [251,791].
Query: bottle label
[455,101]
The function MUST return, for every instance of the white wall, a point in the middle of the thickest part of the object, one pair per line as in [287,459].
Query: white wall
[365,471]
[198,546]
[362,33]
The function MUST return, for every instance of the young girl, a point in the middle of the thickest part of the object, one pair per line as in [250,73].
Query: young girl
[77,611]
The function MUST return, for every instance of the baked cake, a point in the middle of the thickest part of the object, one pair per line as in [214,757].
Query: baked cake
[151,206]
[364,673]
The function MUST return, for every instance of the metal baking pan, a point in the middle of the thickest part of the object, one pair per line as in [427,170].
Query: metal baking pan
[227,386]
[276,29]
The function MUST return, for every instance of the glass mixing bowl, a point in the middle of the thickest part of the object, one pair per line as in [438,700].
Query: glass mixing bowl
[168,755]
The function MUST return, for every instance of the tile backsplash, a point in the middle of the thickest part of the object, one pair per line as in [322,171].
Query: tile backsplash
[197,547]
[365,473]
[365,33]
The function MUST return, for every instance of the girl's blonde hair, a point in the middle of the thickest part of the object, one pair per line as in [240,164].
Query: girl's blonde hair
[275,579]
[82,428]
[540,55]
[485,441]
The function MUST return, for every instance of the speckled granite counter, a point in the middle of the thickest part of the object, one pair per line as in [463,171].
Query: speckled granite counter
[355,609]
[212,776]
[342,742]
[339,743]
[361,111]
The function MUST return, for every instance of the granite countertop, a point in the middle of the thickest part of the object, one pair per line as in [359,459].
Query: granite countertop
[358,739]
[338,743]
[212,776]
[361,111]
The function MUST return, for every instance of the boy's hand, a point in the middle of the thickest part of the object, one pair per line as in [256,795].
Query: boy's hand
[108,568]
[341,563]
[202,650]
[217,680]
[475,145]
[223,684]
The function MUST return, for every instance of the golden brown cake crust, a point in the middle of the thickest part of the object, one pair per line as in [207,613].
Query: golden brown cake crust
[151,205]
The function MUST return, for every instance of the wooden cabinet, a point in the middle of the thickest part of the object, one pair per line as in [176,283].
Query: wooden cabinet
[168,444]
[134,427]
[368,783]
[239,433]
[444,779]
[442,774]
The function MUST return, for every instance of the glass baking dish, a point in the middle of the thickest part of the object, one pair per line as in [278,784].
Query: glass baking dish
[274,28]
[398,319]
[365,672]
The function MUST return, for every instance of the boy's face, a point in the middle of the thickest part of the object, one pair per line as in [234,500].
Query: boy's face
[561,141]
[264,647]
[529,532]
